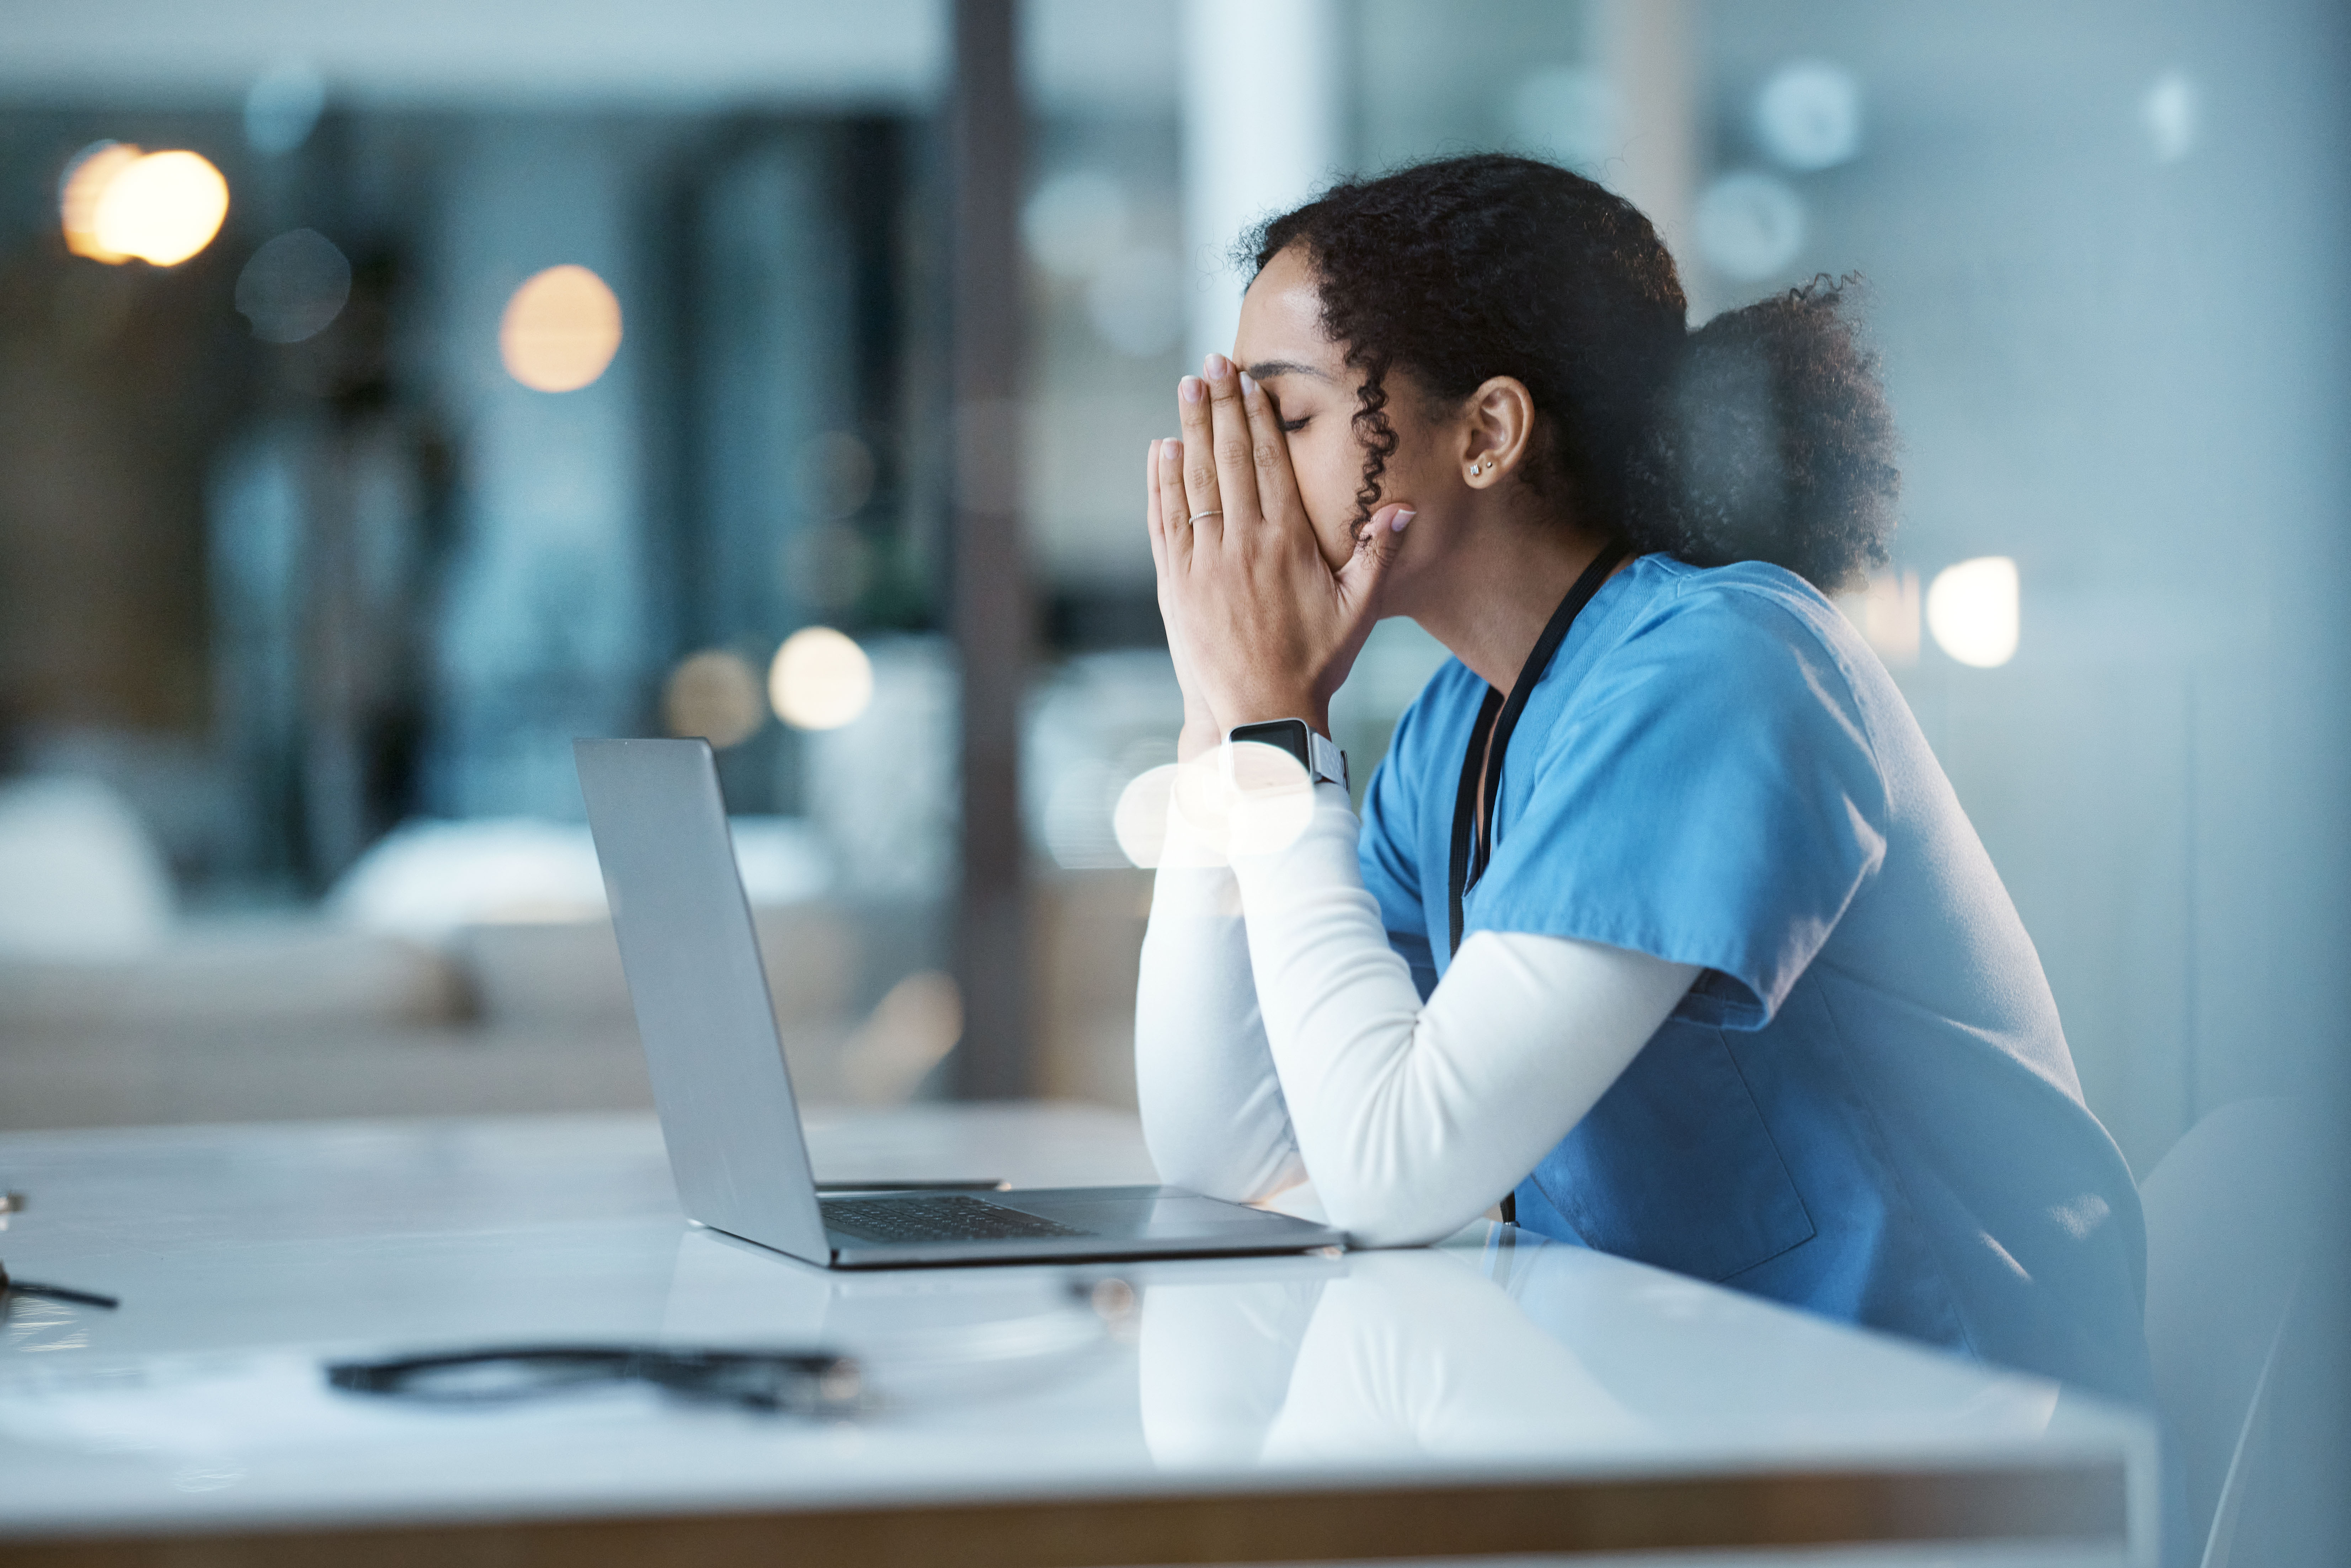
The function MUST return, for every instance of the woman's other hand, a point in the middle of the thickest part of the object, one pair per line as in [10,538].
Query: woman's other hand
[1201,732]
[1260,624]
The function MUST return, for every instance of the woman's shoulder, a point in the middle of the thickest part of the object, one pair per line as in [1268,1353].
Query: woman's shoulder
[1753,627]
[1743,599]
[1747,649]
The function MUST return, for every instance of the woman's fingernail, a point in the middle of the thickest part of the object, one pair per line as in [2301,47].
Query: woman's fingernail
[1249,385]
[1400,519]
[1219,366]
[1189,388]
[1171,452]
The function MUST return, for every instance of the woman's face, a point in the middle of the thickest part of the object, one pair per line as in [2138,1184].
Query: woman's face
[1280,343]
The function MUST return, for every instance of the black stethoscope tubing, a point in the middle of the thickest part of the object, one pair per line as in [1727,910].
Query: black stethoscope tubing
[1489,741]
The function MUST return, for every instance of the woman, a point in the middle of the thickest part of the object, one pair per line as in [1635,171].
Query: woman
[1662,924]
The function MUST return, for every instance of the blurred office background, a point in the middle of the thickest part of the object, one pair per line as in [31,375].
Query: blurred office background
[735,369]
[585,369]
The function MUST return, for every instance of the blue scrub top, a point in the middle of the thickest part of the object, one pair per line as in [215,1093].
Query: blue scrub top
[1864,1107]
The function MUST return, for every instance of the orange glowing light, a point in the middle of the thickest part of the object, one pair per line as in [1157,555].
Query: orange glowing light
[161,207]
[561,329]
[715,695]
[86,180]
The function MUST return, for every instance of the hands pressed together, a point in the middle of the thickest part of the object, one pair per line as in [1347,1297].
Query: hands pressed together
[1261,623]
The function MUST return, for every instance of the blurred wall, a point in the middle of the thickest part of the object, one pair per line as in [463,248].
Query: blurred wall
[2113,337]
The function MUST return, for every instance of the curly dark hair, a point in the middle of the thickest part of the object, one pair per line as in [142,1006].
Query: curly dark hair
[1764,435]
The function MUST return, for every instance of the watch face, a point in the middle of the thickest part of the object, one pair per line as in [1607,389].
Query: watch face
[1289,734]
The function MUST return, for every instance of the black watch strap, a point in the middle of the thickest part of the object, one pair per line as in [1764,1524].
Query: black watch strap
[1316,752]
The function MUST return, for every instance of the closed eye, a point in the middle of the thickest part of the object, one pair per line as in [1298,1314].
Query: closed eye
[1292,427]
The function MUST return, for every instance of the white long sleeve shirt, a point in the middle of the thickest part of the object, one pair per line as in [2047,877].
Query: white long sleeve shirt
[1279,1039]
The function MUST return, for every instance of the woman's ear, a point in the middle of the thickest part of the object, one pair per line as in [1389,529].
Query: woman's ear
[1497,429]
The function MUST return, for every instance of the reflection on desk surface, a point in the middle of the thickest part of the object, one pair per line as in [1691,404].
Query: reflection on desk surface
[247,1259]
[1526,1347]
[1533,1348]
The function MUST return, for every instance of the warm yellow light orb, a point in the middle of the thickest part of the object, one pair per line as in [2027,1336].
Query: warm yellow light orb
[86,180]
[561,329]
[714,694]
[163,208]
[821,680]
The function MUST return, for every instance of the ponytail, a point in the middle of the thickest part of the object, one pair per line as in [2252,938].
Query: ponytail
[1772,441]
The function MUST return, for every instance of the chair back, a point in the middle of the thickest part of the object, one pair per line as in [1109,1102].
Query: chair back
[2230,1215]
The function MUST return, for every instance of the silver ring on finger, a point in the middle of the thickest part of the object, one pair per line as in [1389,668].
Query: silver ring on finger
[1211,512]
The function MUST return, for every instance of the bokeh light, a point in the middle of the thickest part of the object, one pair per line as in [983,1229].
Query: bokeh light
[1568,112]
[1886,611]
[163,208]
[831,565]
[294,286]
[1239,800]
[1971,609]
[714,694]
[1140,818]
[1075,223]
[560,330]
[911,1031]
[1270,798]
[821,680]
[833,475]
[1137,302]
[85,179]
[1808,116]
[2171,113]
[282,108]
[1750,225]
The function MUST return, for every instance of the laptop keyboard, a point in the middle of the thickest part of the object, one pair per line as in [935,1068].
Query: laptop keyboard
[946,1219]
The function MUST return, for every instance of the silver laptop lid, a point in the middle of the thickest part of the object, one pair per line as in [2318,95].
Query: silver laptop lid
[691,957]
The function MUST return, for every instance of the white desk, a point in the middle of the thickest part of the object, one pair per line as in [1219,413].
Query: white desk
[1477,1399]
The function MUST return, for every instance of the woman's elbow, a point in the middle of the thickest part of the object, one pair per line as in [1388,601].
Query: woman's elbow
[1209,1178]
[1212,1170]
[1374,1218]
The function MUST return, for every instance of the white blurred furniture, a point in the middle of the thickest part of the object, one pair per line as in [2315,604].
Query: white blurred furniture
[1504,1397]
[80,877]
[267,1018]
[2230,1225]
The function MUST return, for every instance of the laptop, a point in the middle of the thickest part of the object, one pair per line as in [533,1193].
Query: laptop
[728,1116]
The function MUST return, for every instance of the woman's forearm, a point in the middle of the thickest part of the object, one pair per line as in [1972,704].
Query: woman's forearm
[1213,1114]
[1411,1120]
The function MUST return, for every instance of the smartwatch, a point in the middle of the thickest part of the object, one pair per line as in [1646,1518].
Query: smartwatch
[1317,753]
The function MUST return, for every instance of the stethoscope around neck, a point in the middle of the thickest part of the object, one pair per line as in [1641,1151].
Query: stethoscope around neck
[1474,800]
[1480,789]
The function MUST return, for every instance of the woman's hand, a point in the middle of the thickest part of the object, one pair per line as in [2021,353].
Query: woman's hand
[1201,733]
[1260,625]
